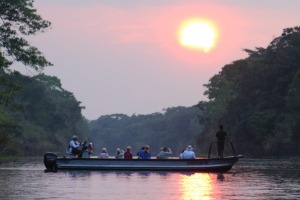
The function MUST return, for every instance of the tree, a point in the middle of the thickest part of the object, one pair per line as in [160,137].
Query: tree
[48,117]
[20,18]
[258,98]
[176,128]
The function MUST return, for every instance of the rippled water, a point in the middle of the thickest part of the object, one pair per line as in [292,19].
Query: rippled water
[248,179]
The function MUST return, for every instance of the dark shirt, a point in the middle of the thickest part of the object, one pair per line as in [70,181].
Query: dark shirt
[221,135]
[127,155]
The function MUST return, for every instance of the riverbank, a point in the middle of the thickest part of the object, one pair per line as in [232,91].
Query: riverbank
[19,159]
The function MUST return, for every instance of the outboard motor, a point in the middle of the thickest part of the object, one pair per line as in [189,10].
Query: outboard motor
[50,161]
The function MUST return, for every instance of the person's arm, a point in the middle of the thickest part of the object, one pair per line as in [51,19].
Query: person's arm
[183,155]
[141,154]
[194,156]
[73,144]
[158,155]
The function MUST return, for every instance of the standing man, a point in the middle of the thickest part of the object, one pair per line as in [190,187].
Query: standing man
[221,135]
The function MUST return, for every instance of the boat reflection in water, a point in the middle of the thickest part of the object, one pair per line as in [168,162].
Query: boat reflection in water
[197,186]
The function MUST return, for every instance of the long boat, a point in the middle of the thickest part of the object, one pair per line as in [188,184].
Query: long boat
[53,162]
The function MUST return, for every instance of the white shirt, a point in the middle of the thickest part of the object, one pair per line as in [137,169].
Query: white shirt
[188,154]
[73,144]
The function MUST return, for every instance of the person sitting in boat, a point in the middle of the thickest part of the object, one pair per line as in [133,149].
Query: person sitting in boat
[90,149]
[119,154]
[142,149]
[128,154]
[145,154]
[84,149]
[188,153]
[74,147]
[164,153]
[103,153]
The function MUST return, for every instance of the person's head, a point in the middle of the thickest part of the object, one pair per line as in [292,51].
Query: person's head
[165,149]
[74,137]
[147,148]
[128,148]
[189,148]
[103,150]
[118,150]
[221,127]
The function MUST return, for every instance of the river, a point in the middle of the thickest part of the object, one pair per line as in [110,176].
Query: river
[248,179]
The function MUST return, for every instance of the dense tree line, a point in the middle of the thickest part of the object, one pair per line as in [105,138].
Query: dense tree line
[36,113]
[42,117]
[258,99]
[175,128]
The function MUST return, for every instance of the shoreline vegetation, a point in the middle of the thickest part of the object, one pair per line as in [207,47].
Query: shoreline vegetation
[20,159]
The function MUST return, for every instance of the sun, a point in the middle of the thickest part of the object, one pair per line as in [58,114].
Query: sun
[198,34]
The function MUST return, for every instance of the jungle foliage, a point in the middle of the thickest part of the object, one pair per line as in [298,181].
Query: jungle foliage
[36,113]
[18,19]
[258,99]
[176,128]
[42,117]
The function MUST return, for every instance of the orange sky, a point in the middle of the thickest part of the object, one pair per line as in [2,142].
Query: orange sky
[124,56]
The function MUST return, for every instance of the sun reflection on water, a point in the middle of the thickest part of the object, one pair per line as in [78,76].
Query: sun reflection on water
[196,187]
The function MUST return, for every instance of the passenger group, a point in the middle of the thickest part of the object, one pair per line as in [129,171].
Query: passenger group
[76,149]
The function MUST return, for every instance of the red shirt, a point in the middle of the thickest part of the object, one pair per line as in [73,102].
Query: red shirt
[127,155]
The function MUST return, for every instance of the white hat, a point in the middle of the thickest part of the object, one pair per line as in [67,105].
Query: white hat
[189,147]
[74,137]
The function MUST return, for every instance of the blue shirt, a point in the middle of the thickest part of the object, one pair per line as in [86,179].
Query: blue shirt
[144,155]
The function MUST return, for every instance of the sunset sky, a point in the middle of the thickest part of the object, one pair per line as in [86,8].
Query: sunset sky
[126,56]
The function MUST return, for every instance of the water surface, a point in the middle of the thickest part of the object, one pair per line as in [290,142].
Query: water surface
[248,179]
